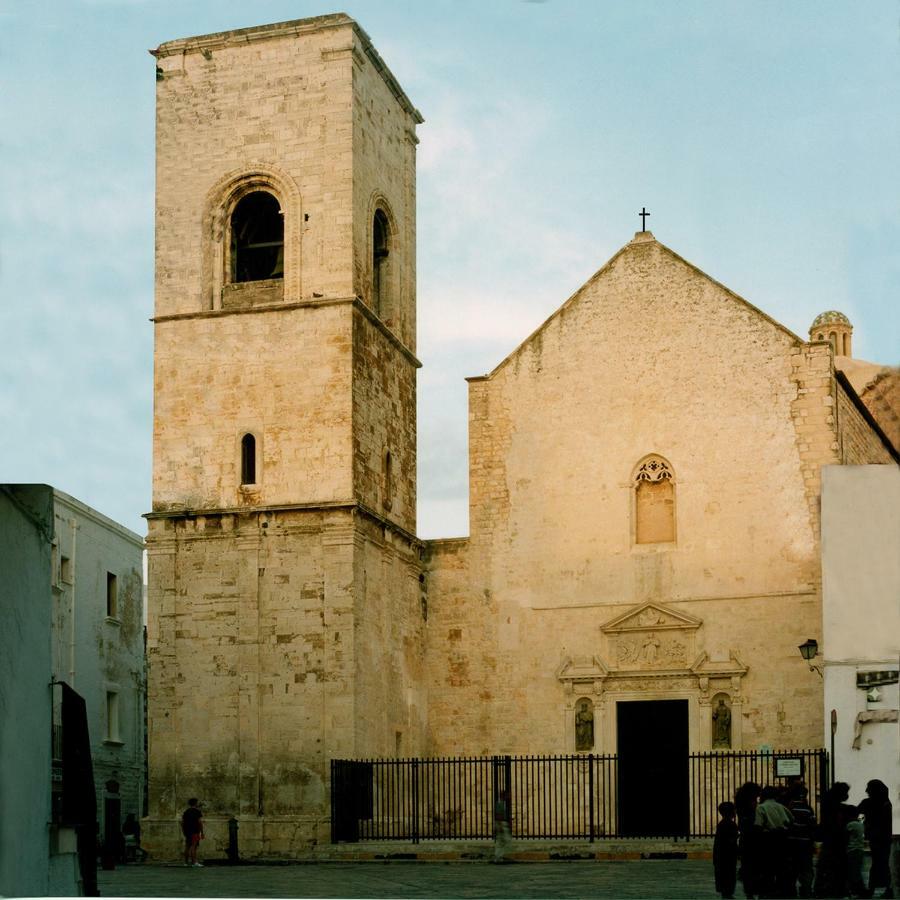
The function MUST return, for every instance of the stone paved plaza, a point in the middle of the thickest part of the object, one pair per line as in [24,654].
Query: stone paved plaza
[633,878]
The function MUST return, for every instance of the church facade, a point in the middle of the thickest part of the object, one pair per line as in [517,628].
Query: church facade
[644,473]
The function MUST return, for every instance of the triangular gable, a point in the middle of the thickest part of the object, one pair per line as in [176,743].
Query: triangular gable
[651,617]
[639,238]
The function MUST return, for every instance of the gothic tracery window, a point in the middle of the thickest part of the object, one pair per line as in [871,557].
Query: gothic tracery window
[654,504]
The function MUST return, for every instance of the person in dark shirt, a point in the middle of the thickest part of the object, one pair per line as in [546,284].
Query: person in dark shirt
[878,814]
[801,840]
[131,835]
[725,850]
[745,801]
[831,868]
[192,829]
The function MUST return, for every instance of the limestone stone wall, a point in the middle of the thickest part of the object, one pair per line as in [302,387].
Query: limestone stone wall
[384,421]
[277,641]
[650,357]
[860,444]
[461,648]
[390,689]
[283,375]
[236,635]
[384,365]
[882,399]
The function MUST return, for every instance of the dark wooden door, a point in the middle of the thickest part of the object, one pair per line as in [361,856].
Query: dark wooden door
[653,788]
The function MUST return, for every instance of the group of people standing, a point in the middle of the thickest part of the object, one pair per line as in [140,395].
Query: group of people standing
[772,832]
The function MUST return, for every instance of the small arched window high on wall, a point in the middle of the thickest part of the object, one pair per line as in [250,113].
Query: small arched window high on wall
[257,238]
[654,502]
[381,239]
[248,459]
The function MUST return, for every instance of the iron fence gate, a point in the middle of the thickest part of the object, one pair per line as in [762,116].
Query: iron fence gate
[549,797]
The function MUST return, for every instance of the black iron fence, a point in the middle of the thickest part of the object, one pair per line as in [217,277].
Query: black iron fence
[544,797]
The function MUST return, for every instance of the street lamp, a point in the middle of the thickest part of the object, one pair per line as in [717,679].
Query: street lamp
[809,650]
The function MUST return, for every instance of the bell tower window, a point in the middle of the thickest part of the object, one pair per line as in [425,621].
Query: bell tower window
[380,251]
[248,459]
[257,238]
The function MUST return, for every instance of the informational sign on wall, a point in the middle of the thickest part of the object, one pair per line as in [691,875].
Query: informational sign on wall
[789,767]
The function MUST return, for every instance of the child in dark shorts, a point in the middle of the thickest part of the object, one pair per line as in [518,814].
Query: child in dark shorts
[192,829]
[725,850]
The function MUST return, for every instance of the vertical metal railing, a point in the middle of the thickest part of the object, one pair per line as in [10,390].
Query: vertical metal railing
[548,797]
[715,776]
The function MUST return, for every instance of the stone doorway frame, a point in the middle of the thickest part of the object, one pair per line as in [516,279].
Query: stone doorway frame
[675,670]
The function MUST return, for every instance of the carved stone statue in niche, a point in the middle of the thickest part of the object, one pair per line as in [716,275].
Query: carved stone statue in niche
[721,726]
[584,726]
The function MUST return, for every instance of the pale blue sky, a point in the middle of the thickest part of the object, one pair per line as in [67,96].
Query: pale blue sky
[763,137]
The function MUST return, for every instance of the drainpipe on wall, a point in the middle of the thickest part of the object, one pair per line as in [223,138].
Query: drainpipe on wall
[74,525]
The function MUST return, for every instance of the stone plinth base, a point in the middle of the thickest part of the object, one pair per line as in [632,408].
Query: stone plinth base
[258,837]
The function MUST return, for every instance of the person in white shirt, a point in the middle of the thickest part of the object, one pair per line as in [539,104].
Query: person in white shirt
[772,822]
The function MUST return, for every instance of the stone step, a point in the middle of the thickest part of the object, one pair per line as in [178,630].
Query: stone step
[519,851]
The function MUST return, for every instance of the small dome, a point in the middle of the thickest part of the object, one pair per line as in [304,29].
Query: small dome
[832,317]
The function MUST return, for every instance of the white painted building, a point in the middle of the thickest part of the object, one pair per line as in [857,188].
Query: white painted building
[861,624]
[71,597]
[37,855]
[98,648]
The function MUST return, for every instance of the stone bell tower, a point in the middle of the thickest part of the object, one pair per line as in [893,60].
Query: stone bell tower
[285,616]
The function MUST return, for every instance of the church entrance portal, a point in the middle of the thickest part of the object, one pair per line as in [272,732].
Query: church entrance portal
[653,790]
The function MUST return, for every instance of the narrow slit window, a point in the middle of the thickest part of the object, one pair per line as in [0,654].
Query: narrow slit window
[248,459]
[257,238]
[112,596]
[388,480]
[112,716]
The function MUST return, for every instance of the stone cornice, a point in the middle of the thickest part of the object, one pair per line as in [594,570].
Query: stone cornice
[354,506]
[221,40]
[357,303]
[87,512]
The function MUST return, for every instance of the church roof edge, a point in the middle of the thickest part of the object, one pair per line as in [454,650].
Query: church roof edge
[841,378]
[292,27]
[641,237]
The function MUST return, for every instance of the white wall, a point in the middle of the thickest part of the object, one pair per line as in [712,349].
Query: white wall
[861,618]
[108,651]
[31,861]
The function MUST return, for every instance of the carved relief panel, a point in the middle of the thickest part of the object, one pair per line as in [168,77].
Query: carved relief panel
[651,638]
